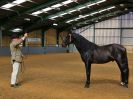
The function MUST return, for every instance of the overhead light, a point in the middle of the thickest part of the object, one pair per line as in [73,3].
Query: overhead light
[126,9]
[89,5]
[19,1]
[72,11]
[36,13]
[14,3]
[41,11]
[110,7]
[67,2]
[77,18]
[63,14]
[74,0]
[81,16]
[122,5]
[106,9]
[94,13]
[51,7]
[102,10]
[54,17]
[47,9]
[55,24]
[7,6]
[16,30]
[81,8]
[27,19]
[56,6]
[60,15]
[70,21]
[101,1]
[84,16]
[96,21]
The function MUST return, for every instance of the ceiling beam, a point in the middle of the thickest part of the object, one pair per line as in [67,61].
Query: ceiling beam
[41,6]
[29,10]
[43,19]
[97,18]
[2,2]
[103,19]
[68,10]
[38,7]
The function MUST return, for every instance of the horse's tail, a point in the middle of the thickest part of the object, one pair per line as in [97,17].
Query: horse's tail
[123,63]
[125,56]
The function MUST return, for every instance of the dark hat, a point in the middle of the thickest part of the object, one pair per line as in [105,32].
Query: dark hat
[14,35]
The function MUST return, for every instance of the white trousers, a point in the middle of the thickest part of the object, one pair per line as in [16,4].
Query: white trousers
[15,71]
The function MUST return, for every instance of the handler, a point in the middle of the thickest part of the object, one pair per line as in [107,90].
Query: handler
[16,57]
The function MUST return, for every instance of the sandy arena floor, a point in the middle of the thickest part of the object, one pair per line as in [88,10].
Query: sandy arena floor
[62,76]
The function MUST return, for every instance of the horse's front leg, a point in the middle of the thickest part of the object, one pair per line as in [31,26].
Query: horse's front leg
[88,72]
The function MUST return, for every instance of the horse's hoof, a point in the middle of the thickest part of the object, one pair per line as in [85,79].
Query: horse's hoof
[124,85]
[87,86]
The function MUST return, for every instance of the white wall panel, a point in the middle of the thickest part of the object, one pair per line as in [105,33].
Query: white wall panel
[127,33]
[108,24]
[88,34]
[128,16]
[127,37]
[127,20]
[107,32]
[125,17]
[127,41]
[127,23]
[107,36]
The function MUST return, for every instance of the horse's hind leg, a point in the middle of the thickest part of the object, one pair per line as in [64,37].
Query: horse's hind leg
[124,73]
[123,65]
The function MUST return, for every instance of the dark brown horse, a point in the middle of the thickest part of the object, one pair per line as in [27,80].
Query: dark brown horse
[92,53]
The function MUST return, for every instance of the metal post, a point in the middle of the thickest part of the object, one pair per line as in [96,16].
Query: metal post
[43,38]
[57,37]
[0,37]
[94,33]
[120,29]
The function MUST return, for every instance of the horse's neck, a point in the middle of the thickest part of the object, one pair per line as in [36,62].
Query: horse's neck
[83,44]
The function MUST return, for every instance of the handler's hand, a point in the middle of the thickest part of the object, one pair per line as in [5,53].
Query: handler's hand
[26,35]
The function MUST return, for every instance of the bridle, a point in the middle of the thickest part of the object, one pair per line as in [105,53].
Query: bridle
[70,37]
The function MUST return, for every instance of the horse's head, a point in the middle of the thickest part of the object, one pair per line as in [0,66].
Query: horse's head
[68,40]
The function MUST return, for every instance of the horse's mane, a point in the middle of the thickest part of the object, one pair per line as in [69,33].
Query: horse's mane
[83,40]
